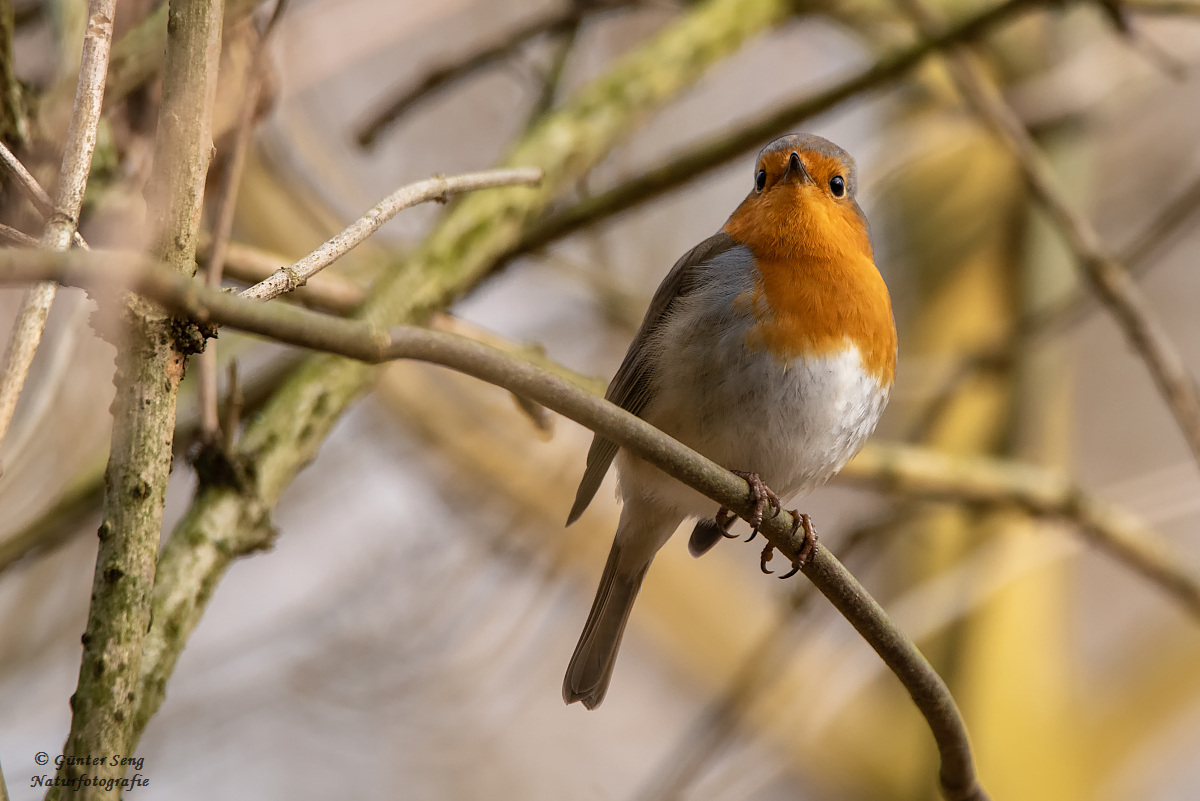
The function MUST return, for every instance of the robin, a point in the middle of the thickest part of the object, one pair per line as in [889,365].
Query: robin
[770,348]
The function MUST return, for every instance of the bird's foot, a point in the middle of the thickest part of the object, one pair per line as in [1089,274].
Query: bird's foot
[762,497]
[806,551]
[709,531]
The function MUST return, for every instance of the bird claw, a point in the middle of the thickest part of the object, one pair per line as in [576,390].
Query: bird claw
[810,543]
[725,519]
[762,497]
[767,552]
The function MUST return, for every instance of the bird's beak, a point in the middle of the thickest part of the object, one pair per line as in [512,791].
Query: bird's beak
[796,171]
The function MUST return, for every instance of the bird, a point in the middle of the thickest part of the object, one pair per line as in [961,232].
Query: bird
[770,348]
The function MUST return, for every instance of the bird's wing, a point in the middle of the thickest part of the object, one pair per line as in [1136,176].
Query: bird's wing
[630,387]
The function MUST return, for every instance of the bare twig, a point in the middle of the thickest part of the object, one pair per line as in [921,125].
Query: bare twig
[63,212]
[231,179]
[149,368]
[552,79]
[33,190]
[363,341]
[436,188]
[326,291]
[1108,277]
[20,239]
[1139,255]
[28,184]
[553,22]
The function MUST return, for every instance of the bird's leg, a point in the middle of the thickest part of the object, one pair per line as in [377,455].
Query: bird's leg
[762,497]
[709,531]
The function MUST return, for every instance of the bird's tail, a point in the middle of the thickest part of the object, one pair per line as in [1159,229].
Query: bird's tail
[643,529]
[592,663]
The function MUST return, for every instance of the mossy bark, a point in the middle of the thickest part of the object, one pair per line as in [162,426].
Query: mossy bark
[149,368]
[225,521]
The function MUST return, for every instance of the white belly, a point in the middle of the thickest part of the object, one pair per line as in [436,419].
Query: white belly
[794,423]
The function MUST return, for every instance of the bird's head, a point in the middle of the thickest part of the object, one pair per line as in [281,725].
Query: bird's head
[802,203]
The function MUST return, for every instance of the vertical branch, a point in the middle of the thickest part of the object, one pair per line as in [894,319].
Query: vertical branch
[64,217]
[149,368]
[222,227]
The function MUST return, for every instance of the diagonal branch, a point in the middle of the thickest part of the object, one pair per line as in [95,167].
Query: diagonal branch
[366,342]
[553,22]
[437,188]
[63,212]
[1108,277]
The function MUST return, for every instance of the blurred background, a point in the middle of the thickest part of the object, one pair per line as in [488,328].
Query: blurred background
[407,634]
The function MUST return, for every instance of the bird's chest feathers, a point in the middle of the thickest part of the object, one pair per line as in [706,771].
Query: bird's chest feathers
[817,291]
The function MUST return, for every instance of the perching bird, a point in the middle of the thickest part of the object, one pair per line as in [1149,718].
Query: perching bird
[770,348]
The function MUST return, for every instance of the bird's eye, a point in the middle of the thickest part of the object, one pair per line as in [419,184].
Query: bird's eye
[837,185]
[760,180]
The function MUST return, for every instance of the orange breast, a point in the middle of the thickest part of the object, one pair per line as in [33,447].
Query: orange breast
[819,288]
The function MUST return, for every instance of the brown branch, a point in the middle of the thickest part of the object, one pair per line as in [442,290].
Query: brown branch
[1140,255]
[149,368]
[20,239]
[1108,277]
[922,473]
[723,148]
[231,179]
[554,22]
[365,342]
[26,182]
[63,212]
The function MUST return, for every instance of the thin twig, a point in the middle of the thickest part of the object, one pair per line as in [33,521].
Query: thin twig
[1108,277]
[437,188]
[552,79]
[20,239]
[721,149]
[27,183]
[326,291]
[32,190]
[63,212]
[231,179]
[554,22]
[365,342]
[1139,255]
